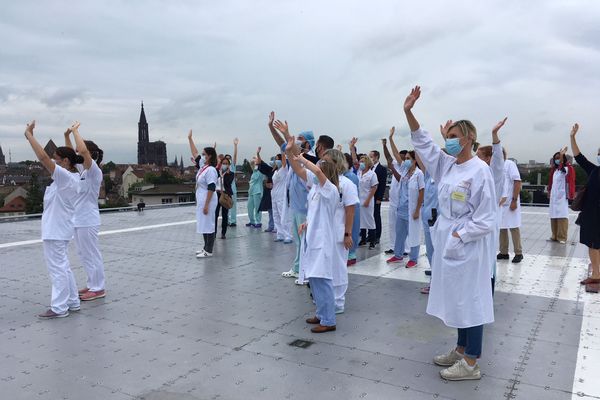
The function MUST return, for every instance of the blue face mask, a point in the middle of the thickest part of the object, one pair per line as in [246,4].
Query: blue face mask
[407,164]
[453,146]
[278,163]
[557,162]
[362,166]
[224,168]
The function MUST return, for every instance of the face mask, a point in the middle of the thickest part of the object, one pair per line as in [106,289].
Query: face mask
[407,164]
[453,146]
[598,158]
[557,162]
[271,163]
[200,162]
[362,166]
[225,168]
[278,163]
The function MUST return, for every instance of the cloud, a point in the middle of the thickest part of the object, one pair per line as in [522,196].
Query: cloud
[55,98]
[544,126]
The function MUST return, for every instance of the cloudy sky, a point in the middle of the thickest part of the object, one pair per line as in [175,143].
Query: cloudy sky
[341,68]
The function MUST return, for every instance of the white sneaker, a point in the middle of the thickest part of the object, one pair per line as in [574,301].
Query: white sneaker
[447,360]
[290,274]
[297,282]
[203,254]
[461,371]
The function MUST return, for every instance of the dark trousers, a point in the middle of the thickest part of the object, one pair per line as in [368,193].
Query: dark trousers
[471,339]
[372,235]
[377,215]
[224,217]
[209,242]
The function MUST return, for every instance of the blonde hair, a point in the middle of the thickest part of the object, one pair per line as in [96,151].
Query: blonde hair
[468,130]
[368,162]
[338,159]
[330,170]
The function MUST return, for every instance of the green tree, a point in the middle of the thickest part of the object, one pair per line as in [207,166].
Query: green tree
[108,184]
[34,204]
[532,177]
[109,166]
[165,177]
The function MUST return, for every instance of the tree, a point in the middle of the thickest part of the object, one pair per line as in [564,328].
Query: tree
[246,167]
[108,184]
[165,177]
[34,204]
[109,166]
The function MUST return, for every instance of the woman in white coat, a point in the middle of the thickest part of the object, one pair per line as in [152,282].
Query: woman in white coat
[206,199]
[57,224]
[278,199]
[559,204]
[367,187]
[408,214]
[86,219]
[461,293]
[318,240]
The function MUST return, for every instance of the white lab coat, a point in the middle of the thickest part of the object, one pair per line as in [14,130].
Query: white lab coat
[497,169]
[394,195]
[415,183]
[348,197]
[510,218]
[59,205]
[318,242]
[204,177]
[86,203]
[367,179]
[559,205]
[461,292]
[278,198]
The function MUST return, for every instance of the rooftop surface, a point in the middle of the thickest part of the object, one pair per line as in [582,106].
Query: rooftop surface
[177,328]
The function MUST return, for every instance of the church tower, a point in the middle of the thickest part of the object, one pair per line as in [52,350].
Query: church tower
[143,138]
[2,158]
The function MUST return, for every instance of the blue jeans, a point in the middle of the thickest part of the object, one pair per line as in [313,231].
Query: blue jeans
[401,235]
[271,220]
[355,233]
[322,291]
[297,220]
[254,215]
[233,210]
[428,242]
[471,339]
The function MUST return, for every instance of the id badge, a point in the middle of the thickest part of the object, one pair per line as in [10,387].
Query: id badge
[459,196]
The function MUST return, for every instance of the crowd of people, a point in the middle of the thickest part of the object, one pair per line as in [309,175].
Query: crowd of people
[463,199]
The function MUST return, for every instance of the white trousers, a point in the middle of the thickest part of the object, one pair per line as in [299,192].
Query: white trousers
[86,239]
[282,220]
[64,288]
[339,293]
[392,224]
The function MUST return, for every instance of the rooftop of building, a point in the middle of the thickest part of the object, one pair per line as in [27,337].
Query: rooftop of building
[174,327]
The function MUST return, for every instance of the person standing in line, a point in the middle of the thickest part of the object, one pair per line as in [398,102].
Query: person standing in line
[349,174]
[343,221]
[224,185]
[255,194]
[278,197]
[86,219]
[397,169]
[408,217]
[589,218]
[266,203]
[511,213]
[318,234]
[461,293]
[57,224]
[382,173]
[428,214]
[232,215]
[368,184]
[206,200]
[558,192]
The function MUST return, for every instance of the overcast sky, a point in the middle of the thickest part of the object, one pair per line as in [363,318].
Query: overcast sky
[341,68]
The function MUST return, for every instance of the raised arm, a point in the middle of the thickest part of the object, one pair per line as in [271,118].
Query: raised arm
[389,160]
[276,136]
[312,168]
[236,141]
[583,162]
[81,147]
[409,103]
[353,149]
[574,145]
[294,160]
[285,131]
[38,149]
[258,159]
[395,151]
[68,138]
[193,148]
[497,162]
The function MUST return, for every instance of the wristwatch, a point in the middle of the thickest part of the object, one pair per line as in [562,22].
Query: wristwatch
[346,234]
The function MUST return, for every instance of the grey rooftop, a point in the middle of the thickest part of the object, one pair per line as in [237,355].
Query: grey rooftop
[174,327]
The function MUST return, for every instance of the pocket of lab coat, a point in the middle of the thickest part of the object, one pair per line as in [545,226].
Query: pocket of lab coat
[315,239]
[459,198]
[339,233]
[455,249]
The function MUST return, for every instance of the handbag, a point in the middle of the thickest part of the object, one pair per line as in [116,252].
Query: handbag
[577,203]
[225,200]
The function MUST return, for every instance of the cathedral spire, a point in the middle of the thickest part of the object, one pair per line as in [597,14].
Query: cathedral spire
[143,127]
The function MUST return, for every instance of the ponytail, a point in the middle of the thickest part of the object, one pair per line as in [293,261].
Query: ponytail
[95,151]
[67,152]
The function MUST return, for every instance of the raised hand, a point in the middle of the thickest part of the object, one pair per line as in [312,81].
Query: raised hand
[384,141]
[290,143]
[445,128]
[412,98]
[574,130]
[236,141]
[190,134]
[353,142]
[30,127]
[258,151]
[271,118]
[499,125]
[282,127]
[339,147]
[215,146]
[563,151]
[392,130]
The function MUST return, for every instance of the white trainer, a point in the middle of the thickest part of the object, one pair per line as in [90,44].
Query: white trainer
[447,360]
[461,371]
[203,254]
[299,283]
[290,274]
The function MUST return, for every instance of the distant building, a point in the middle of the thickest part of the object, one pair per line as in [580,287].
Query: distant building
[50,148]
[2,158]
[164,194]
[149,152]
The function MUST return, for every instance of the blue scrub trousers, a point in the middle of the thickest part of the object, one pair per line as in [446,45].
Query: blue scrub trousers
[401,235]
[254,215]
[297,220]
[428,242]
[355,233]
[233,210]
[322,291]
